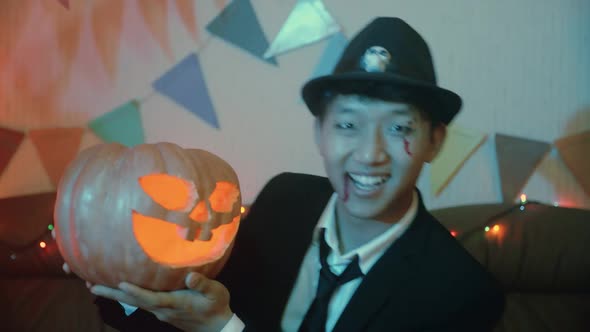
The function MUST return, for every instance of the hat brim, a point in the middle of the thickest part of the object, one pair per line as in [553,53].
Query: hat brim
[438,102]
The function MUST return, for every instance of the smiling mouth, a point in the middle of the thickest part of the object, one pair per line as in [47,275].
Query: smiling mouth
[368,182]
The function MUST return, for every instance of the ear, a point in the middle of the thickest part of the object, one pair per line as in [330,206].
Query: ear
[437,138]
[317,131]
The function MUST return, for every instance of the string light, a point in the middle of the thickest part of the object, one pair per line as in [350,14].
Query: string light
[243,209]
[523,199]
[487,229]
[496,228]
[50,227]
[453,233]
[42,244]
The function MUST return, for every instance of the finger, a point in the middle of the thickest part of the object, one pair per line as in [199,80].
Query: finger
[149,298]
[66,268]
[198,282]
[115,294]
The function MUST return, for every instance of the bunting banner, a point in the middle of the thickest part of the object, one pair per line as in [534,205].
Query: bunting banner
[517,159]
[10,140]
[237,24]
[122,125]
[334,48]
[459,145]
[308,23]
[56,148]
[186,86]
[574,150]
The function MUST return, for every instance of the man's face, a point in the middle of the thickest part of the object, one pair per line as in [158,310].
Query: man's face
[373,153]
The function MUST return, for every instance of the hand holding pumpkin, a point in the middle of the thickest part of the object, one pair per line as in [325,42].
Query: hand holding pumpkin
[204,306]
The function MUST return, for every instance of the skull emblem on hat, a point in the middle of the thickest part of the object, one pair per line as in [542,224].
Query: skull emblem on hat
[375,59]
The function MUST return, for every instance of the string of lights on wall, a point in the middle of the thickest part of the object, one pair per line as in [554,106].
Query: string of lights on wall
[490,227]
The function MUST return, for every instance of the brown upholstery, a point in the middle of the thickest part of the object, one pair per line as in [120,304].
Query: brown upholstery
[540,255]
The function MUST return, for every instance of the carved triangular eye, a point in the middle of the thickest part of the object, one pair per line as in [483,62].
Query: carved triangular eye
[171,192]
[224,197]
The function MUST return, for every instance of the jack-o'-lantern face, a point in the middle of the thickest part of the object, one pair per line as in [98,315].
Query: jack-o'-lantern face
[196,230]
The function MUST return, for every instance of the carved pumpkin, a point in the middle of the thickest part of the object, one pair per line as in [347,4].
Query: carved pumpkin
[147,215]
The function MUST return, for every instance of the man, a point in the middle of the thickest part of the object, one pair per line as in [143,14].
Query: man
[379,117]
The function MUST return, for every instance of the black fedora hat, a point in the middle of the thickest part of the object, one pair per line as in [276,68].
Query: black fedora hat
[389,60]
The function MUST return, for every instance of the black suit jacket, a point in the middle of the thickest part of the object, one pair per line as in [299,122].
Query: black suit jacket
[426,281]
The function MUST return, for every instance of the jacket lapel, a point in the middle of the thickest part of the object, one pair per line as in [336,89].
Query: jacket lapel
[388,278]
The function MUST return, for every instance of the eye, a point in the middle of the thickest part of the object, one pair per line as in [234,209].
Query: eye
[344,125]
[401,131]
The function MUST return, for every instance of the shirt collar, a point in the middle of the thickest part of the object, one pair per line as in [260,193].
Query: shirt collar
[370,252]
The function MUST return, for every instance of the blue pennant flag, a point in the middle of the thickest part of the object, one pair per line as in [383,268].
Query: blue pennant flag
[185,85]
[238,25]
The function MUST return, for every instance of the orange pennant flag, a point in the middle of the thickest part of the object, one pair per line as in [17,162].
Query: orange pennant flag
[155,15]
[107,24]
[56,148]
[186,11]
[10,140]
[574,153]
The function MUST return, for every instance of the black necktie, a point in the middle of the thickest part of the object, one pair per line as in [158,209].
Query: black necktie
[315,318]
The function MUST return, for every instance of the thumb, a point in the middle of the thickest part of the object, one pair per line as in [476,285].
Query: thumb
[209,288]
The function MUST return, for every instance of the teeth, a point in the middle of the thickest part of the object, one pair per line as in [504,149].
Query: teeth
[366,180]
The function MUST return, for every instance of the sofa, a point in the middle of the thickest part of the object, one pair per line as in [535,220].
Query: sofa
[539,253]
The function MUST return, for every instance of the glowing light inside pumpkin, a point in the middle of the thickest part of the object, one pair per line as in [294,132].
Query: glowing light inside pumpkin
[200,213]
[224,197]
[161,242]
[169,191]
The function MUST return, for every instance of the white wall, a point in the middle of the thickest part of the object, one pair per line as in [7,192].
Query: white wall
[522,67]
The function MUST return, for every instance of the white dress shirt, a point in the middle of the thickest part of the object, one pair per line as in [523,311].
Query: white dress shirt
[304,291]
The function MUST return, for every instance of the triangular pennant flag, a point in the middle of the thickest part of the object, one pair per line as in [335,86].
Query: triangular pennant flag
[459,145]
[56,148]
[65,3]
[186,11]
[185,85]
[10,141]
[122,125]
[308,23]
[574,151]
[107,23]
[336,45]
[517,159]
[238,25]
[155,16]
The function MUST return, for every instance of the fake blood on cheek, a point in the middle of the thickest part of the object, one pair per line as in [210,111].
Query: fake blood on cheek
[407,147]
